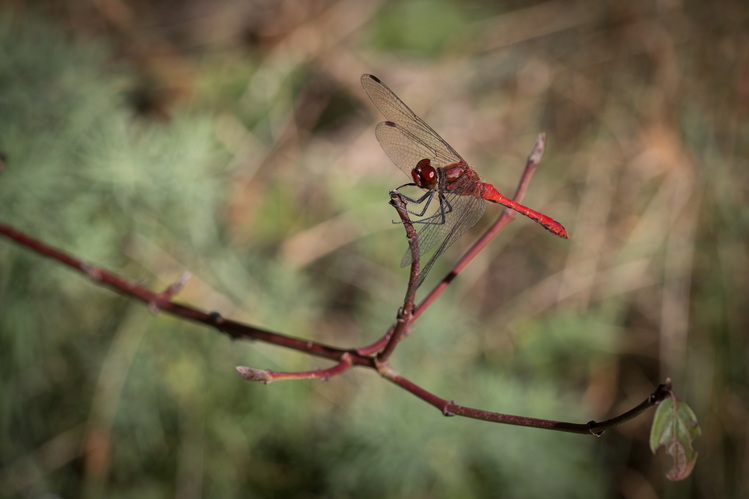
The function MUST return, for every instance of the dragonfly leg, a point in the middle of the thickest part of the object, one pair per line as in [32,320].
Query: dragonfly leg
[428,196]
[435,219]
[440,217]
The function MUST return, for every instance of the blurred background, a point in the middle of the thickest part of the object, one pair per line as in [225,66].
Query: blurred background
[232,140]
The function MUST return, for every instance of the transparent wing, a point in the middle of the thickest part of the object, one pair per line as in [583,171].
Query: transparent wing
[406,149]
[412,131]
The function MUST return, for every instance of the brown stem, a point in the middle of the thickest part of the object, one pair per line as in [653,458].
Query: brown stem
[346,358]
[405,313]
[450,408]
[266,376]
[162,302]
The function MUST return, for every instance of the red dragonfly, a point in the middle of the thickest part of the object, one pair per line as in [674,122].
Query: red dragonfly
[451,184]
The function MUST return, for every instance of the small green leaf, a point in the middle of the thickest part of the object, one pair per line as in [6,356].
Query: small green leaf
[675,427]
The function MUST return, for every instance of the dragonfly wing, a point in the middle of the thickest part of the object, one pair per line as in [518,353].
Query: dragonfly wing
[413,127]
[406,149]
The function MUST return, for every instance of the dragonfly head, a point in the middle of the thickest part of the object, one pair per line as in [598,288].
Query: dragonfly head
[425,175]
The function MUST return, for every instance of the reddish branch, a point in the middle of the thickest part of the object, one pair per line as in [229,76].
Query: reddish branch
[375,356]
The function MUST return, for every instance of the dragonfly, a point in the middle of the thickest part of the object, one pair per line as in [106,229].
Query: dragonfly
[454,192]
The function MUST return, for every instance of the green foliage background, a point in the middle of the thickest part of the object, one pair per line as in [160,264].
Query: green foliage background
[235,143]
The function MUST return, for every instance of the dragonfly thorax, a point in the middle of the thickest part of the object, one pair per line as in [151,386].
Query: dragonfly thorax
[425,175]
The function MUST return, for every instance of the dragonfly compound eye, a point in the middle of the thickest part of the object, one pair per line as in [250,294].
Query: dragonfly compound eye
[424,174]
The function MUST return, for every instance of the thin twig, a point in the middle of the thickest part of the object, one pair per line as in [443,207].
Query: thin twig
[164,303]
[345,358]
[450,408]
[266,376]
[405,313]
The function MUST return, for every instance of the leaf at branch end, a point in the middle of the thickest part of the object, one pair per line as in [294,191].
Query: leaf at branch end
[675,427]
